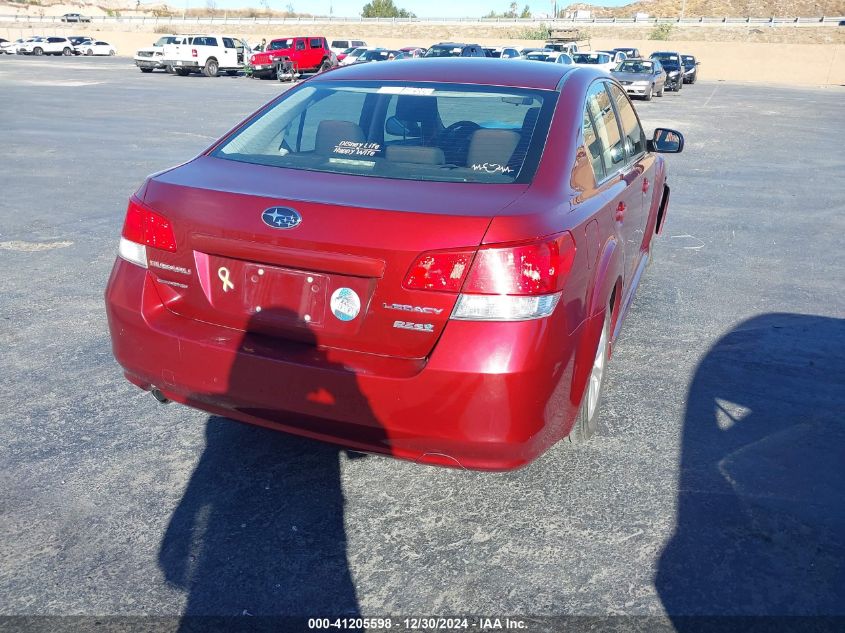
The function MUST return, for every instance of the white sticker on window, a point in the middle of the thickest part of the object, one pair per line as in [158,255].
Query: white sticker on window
[492,168]
[405,90]
[355,148]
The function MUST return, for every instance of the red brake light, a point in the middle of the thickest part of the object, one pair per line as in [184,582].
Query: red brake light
[525,268]
[144,226]
[439,270]
[193,52]
[534,268]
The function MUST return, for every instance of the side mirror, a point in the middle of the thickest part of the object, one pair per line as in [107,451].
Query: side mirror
[398,127]
[666,141]
[698,63]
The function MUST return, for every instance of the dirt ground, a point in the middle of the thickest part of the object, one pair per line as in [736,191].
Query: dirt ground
[779,55]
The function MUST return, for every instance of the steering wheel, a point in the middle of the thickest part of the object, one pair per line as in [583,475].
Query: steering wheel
[456,138]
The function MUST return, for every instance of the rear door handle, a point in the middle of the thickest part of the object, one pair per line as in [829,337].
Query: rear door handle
[620,211]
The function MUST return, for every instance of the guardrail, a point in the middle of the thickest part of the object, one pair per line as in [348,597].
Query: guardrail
[552,22]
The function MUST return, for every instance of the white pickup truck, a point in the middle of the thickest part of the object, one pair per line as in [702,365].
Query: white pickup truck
[208,54]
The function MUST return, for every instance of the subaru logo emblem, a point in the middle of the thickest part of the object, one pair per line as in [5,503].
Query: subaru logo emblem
[281,217]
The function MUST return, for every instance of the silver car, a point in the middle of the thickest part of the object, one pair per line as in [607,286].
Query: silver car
[640,77]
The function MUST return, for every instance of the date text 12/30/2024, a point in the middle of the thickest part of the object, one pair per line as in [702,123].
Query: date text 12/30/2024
[420,623]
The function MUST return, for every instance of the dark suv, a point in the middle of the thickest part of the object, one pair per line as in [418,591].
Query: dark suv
[451,49]
[672,64]
[690,68]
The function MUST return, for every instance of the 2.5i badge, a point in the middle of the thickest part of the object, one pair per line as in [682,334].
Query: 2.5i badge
[345,304]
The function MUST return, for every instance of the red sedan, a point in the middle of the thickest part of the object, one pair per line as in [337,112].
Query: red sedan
[429,260]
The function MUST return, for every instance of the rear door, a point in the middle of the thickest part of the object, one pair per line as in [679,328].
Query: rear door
[607,152]
[315,51]
[229,52]
[637,172]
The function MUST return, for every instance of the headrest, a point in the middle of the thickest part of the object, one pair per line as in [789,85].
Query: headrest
[491,146]
[330,133]
[416,108]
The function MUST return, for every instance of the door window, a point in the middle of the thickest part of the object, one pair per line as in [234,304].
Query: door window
[228,42]
[300,45]
[316,43]
[606,127]
[635,144]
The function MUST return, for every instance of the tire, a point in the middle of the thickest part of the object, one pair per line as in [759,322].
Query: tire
[211,68]
[89,52]
[169,70]
[326,65]
[662,90]
[111,52]
[38,51]
[587,421]
[146,70]
[647,95]
[67,52]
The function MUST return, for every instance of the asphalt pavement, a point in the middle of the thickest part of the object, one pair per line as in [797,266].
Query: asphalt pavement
[714,486]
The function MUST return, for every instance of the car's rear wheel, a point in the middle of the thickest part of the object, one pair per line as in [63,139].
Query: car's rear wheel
[89,52]
[211,68]
[66,51]
[587,421]
[326,65]
[146,70]
[662,90]
[111,53]
[37,51]
[647,95]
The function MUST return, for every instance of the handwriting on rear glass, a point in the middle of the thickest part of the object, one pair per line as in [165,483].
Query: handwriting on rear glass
[354,148]
[492,168]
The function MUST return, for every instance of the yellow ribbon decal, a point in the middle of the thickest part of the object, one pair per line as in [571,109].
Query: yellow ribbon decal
[223,273]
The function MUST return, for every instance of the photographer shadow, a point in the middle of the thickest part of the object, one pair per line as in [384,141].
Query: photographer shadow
[260,530]
[761,518]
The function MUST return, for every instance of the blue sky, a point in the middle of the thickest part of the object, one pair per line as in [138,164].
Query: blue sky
[423,8]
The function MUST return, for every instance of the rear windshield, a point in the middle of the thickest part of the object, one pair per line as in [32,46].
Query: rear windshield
[449,50]
[426,131]
[590,58]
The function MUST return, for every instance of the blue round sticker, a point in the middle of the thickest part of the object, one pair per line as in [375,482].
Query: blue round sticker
[345,304]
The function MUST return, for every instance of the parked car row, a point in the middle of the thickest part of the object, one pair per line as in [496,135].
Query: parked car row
[39,45]
[287,58]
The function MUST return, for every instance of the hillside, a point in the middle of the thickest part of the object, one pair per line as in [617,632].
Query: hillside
[720,8]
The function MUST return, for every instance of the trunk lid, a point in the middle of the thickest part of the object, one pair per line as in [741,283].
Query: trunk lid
[337,275]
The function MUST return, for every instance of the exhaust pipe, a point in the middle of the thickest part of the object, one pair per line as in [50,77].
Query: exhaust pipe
[159,396]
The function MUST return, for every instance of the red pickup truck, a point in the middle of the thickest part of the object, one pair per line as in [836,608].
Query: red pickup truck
[306,53]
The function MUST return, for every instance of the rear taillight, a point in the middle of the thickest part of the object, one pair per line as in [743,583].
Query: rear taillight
[501,282]
[439,270]
[144,227]
[193,52]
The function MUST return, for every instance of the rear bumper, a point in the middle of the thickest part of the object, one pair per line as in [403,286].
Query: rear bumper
[491,396]
[180,63]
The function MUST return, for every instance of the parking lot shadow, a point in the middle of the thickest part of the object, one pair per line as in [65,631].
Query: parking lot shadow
[761,518]
[259,530]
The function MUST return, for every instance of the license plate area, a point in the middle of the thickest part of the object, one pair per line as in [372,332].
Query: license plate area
[269,295]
